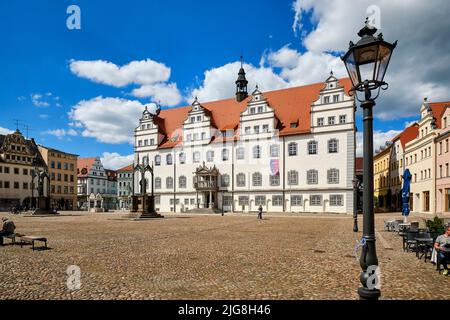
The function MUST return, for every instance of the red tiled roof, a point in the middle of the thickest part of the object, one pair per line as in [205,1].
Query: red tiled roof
[291,105]
[127,168]
[84,163]
[407,135]
[438,109]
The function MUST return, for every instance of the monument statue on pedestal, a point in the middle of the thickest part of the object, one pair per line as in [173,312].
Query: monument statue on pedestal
[144,204]
[43,201]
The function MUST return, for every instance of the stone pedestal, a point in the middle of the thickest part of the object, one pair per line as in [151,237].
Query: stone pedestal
[43,206]
[144,207]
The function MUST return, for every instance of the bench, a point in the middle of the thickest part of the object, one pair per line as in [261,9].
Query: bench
[32,240]
[13,237]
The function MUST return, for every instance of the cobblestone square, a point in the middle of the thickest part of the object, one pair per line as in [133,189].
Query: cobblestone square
[207,257]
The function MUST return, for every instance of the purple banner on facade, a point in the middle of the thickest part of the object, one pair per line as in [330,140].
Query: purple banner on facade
[274,167]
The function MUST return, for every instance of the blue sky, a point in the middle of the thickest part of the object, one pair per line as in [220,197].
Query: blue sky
[184,39]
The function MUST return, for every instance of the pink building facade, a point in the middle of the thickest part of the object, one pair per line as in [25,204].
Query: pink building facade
[442,144]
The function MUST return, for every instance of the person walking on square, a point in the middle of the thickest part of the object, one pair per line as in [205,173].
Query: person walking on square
[260,211]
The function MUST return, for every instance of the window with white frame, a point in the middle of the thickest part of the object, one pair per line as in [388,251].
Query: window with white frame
[225,180]
[333,145]
[157,160]
[336,98]
[274,150]
[169,159]
[247,130]
[252,110]
[196,157]
[256,152]
[326,99]
[257,179]
[312,176]
[333,176]
[182,157]
[256,129]
[265,128]
[260,109]
[240,180]
[240,153]
[320,122]
[342,119]
[336,200]
[243,200]
[157,183]
[188,137]
[274,180]
[210,156]
[315,200]
[331,120]
[292,149]
[277,201]
[169,183]
[293,178]
[227,201]
[296,200]
[182,182]
[312,147]
[260,200]
[158,200]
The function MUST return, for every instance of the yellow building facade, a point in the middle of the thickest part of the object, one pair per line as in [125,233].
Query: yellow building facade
[382,193]
[62,169]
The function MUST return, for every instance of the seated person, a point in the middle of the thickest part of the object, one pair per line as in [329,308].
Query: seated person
[442,246]
[7,229]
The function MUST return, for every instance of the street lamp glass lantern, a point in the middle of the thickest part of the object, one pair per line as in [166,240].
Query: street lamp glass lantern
[368,60]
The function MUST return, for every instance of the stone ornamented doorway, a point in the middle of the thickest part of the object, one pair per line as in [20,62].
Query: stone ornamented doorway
[205,183]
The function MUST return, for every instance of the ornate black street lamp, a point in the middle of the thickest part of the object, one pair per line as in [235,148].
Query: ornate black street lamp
[366,63]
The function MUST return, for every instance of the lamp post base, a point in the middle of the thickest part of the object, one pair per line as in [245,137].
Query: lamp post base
[369,294]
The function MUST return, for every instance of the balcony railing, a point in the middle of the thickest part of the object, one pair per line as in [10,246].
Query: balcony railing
[205,185]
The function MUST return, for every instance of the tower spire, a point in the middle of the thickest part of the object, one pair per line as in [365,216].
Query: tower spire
[241,84]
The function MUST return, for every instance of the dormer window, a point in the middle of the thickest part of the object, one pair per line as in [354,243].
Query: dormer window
[294,125]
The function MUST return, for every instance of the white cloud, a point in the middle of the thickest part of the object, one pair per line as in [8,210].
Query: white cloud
[166,94]
[418,65]
[109,120]
[379,139]
[149,75]
[136,72]
[219,83]
[5,131]
[115,161]
[36,99]
[61,133]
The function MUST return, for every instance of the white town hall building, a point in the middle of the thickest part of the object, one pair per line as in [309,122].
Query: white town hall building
[289,150]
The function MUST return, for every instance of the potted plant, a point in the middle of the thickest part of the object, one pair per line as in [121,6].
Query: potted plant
[435,225]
